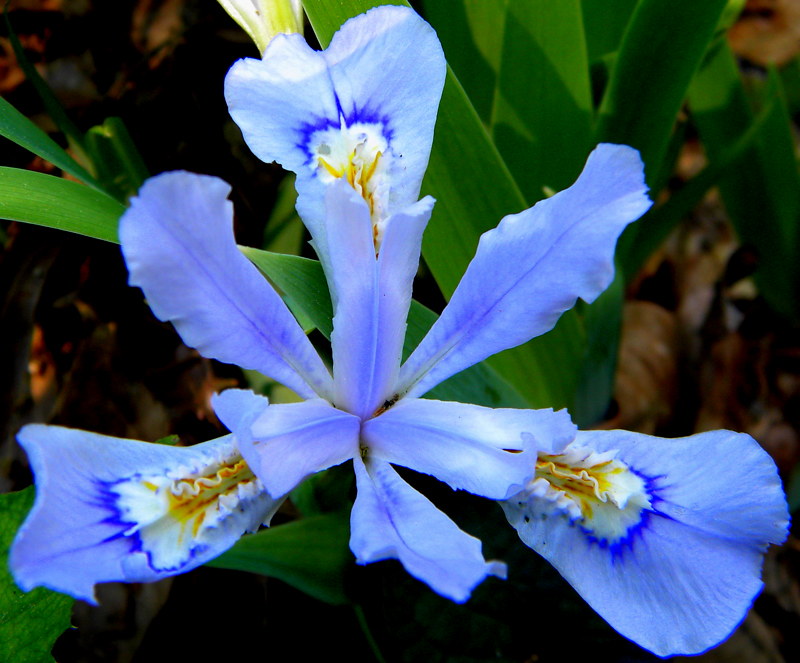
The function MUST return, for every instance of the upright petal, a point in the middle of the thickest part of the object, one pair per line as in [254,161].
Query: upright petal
[664,538]
[279,102]
[177,238]
[387,65]
[532,267]
[488,452]
[363,110]
[391,520]
[285,443]
[371,296]
[109,509]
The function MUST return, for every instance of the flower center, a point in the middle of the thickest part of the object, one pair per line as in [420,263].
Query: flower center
[360,154]
[604,495]
[176,515]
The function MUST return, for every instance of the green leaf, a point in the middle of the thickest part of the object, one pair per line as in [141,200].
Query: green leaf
[790,75]
[310,554]
[542,119]
[328,491]
[303,282]
[120,166]
[284,232]
[472,186]
[763,198]
[730,15]
[474,190]
[29,622]
[603,320]
[662,219]
[327,17]
[662,48]
[54,202]
[169,440]
[472,36]
[20,130]
[605,24]
[54,108]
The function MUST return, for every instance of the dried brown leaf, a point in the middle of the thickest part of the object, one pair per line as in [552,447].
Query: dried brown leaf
[768,31]
[646,374]
[157,28]
[36,5]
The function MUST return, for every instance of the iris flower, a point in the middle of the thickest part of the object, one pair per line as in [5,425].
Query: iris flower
[664,538]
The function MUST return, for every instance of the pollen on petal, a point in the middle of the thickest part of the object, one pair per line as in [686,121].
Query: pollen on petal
[358,152]
[602,495]
[175,516]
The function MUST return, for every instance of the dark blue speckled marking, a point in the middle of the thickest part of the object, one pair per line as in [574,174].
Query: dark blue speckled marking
[620,547]
[308,129]
[108,499]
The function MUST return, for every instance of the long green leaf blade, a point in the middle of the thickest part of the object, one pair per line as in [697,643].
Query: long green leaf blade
[662,48]
[763,199]
[29,622]
[543,116]
[51,103]
[665,41]
[58,203]
[472,36]
[661,220]
[120,166]
[20,130]
[605,24]
[301,280]
[310,554]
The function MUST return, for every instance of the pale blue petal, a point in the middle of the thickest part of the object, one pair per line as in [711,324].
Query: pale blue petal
[488,452]
[388,65]
[279,103]
[686,574]
[285,443]
[371,297]
[532,267]
[391,520]
[177,238]
[101,511]
[383,70]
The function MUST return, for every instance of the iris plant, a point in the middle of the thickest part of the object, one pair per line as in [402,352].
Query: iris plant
[663,537]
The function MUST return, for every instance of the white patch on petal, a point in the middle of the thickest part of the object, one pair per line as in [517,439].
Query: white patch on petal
[180,513]
[603,495]
[361,154]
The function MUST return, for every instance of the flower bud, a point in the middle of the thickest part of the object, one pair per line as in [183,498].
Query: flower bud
[263,19]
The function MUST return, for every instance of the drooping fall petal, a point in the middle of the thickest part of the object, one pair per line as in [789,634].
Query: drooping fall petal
[109,509]
[391,520]
[486,451]
[664,538]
